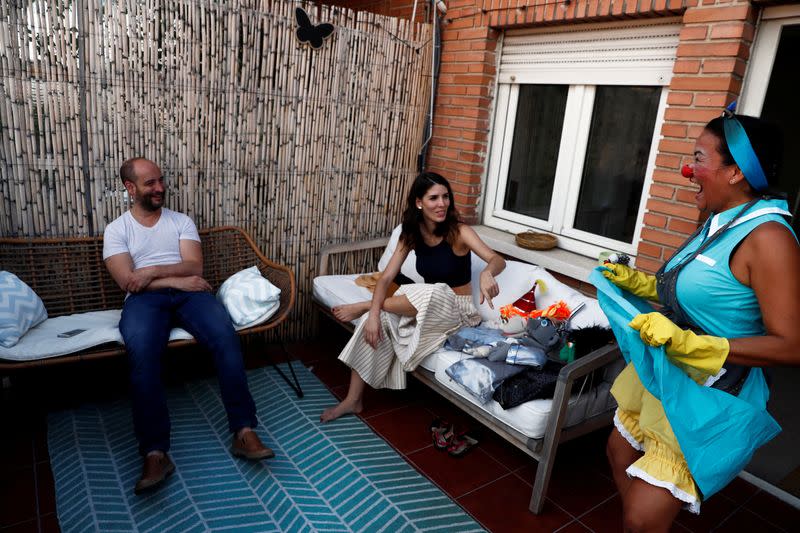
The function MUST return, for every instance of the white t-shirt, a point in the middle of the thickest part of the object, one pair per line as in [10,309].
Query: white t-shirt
[159,245]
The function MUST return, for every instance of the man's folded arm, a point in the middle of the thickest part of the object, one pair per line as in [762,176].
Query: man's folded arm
[164,276]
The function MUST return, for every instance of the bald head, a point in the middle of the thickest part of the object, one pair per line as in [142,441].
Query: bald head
[134,167]
[143,181]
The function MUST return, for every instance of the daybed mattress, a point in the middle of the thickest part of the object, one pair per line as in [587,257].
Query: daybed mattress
[530,418]
[331,291]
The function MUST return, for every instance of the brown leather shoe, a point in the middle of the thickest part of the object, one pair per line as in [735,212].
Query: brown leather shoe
[155,470]
[250,447]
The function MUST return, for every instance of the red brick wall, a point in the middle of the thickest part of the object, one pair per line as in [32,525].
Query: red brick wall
[392,8]
[712,56]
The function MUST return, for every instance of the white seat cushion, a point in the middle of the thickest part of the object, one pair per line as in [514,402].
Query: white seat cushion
[331,291]
[43,342]
[530,418]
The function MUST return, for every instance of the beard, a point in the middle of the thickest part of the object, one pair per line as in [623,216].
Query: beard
[150,203]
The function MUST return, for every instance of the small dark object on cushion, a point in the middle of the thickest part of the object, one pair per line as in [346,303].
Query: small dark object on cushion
[587,340]
[534,383]
[543,333]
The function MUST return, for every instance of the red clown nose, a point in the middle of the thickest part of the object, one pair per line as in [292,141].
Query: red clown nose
[687,171]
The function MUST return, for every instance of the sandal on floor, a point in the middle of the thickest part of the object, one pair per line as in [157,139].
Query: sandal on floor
[460,444]
[441,434]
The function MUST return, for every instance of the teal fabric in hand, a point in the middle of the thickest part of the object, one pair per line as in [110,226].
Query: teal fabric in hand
[717,432]
[20,309]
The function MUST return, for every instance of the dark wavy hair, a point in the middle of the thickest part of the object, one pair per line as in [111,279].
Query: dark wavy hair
[766,139]
[411,235]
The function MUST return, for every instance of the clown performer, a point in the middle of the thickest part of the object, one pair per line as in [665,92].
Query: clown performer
[692,399]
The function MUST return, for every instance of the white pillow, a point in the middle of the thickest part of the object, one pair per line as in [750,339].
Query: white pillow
[249,298]
[409,267]
[518,278]
[20,309]
[514,281]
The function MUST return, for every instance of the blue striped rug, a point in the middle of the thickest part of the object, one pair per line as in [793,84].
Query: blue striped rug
[334,477]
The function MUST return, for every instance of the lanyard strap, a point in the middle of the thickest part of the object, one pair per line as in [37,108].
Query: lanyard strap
[667,280]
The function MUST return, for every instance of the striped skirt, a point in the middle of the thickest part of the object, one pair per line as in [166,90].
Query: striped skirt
[408,340]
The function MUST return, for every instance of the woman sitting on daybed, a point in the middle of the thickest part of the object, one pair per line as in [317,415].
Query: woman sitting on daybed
[402,330]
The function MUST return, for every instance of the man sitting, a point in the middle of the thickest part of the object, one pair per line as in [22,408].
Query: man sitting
[154,254]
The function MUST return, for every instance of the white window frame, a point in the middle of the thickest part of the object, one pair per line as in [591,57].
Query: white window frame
[572,150]
[765,47]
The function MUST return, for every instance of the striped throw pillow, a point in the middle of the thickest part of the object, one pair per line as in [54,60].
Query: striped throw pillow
[20,309]
[249,298]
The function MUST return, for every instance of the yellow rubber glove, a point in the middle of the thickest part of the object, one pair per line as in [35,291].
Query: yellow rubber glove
[633,281]
[702,352]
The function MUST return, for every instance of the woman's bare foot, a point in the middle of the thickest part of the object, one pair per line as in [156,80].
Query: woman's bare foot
[350,312]
[345,407]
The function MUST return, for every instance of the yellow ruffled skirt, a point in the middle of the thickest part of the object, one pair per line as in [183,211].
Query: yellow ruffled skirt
[641,420]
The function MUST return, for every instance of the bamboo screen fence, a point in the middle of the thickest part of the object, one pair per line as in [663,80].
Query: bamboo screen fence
[301,147]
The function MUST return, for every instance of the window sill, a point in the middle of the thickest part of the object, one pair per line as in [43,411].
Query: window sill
[556,260]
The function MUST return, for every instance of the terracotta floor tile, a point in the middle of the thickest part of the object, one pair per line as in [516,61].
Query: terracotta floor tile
[573,527]
[28,526]
[46,488]
[774,511]
[457,476]
[503,452]
[262,355]
[16,448]
[606,517]
[406,428]
[314,350]
[378,402]
[744,521]
[502,506]
[441,408]
[578,489]
[739,490]
[586,452]
[712,512]
[17,496]
[49,523]
[339,391]
[331,372]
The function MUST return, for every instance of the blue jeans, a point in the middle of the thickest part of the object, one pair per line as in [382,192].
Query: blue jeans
[147,318]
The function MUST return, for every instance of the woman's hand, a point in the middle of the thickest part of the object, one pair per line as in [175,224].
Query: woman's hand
[703,352]
[633,281]
[372,330]
[489,288]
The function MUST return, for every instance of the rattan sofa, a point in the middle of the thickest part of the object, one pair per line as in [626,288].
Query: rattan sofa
[559,427]
[70,277]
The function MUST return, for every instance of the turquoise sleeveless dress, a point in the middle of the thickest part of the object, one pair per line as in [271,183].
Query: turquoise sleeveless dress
[717,432]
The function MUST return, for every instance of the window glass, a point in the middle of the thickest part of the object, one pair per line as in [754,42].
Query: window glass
[620,137]
[780,107]
[534,149]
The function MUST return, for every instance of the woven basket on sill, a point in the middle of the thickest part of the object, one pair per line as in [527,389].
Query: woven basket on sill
[533,240]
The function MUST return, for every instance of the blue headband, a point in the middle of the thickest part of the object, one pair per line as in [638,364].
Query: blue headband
[742,151]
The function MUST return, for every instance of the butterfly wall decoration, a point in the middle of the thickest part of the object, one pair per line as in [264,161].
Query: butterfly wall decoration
[309,33]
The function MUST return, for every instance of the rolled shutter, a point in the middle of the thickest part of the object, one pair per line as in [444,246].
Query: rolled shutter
[617,53]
